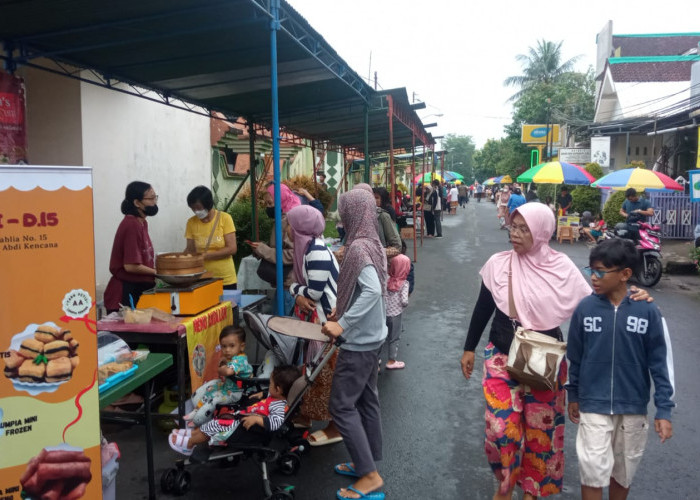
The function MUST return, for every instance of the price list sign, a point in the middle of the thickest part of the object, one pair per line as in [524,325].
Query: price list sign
[49,409]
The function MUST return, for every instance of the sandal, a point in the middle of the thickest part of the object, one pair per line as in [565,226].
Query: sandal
[320,438]
[180,444]
[372,495]
[349,470]
[396,365]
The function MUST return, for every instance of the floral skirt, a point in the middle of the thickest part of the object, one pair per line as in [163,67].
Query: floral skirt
[524,429]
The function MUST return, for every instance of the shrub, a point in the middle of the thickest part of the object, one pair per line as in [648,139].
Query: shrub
[585,197]
[611,210]
[242,214]
[316,191]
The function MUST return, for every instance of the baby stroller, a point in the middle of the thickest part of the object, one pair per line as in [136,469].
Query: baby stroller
[283,338]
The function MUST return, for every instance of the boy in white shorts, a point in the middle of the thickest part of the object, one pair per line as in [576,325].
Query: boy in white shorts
[615,346]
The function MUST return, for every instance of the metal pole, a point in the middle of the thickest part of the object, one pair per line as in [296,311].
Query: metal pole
[253,180]
[391,146]
[366,144]
[274,27]
[412,197]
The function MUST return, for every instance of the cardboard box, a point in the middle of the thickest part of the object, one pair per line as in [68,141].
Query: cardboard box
[406,233]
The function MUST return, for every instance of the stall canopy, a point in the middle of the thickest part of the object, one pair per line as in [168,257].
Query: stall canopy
[213,54]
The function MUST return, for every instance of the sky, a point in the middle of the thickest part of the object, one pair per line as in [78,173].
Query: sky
[455,54]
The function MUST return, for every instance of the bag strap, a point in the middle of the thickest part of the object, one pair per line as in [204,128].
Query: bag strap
[211,235]
[511,301]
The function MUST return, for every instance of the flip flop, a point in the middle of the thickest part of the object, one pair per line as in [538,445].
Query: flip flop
[349,472]
[372,495]
[180,444]
[396,365]
[320,438]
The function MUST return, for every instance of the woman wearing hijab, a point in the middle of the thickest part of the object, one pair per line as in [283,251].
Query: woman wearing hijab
[288,200]
[314,291]
[524,440]
[132,262]
[361,314]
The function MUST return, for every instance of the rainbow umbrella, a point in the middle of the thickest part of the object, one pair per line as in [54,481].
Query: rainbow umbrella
[501,179]
[490,181]
[426,177]
[556,172]
[451,176]
[637,178]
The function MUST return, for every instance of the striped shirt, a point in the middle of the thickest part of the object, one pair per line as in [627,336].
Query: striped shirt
[321,275]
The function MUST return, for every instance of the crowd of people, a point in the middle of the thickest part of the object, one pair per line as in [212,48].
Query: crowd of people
[360,293]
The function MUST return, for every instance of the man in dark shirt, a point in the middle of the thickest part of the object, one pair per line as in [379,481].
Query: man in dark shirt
[635,210]
[564,200]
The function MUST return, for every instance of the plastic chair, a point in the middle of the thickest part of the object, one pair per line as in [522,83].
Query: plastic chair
[566,233]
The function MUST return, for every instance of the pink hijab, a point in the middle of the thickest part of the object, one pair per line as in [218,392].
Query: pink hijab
[307,223]
[399,267]
[358,211]
[288,199]
[547,286]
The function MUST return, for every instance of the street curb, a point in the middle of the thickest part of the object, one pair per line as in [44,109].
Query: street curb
[680,267]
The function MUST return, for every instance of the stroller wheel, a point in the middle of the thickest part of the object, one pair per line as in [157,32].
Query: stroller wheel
[289,463]
[167,481]
[183,480]
[282,493]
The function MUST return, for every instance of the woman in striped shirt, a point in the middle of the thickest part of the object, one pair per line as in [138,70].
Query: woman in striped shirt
[314,291]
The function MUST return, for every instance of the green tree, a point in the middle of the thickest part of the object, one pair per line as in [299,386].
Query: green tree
[460,154]
[586,198]
[542,64]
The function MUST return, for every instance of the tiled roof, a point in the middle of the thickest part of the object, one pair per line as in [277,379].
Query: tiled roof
[655,45]
[674,71]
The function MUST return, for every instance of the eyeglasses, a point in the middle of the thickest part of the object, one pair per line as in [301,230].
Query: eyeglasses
[150,198]
[521,229]
[588,271]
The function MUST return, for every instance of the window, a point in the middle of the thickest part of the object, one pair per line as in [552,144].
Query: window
[636,151]
[645,150]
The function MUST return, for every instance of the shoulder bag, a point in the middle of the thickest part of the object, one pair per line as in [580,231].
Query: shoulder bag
[534,358]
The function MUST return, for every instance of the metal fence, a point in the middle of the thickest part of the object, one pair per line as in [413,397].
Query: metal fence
[675,213]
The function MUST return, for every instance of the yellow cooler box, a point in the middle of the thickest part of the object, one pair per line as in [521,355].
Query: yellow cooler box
[184,300]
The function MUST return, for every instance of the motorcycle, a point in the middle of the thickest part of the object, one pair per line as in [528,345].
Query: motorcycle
[647,240]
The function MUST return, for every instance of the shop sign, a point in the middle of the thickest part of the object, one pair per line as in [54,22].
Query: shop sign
[540,134]
[577,156]
[49,407]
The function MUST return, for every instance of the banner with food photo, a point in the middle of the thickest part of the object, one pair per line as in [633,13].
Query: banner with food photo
[49,411]
[203,342]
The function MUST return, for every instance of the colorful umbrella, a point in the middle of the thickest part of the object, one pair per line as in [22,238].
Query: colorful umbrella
[556,172]
[490,181]
[637,178]
[426,177]
[501,179]
[451,176]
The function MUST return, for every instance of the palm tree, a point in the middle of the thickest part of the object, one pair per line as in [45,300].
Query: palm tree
[540,65]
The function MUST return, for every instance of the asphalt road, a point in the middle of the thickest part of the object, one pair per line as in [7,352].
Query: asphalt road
[433,418]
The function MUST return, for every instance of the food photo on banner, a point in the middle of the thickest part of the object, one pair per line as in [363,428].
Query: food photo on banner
[49,413]
[13,133]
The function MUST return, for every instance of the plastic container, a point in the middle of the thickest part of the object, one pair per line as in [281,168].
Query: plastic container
[137,316]
[233,296]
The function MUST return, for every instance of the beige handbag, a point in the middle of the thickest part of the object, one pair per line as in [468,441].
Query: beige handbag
[534,358]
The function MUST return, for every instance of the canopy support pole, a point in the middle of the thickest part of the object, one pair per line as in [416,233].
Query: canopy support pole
[274,28]
[391,146]
[253,180]
[366,180]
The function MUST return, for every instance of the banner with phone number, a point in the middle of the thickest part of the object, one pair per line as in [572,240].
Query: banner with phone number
[49,409]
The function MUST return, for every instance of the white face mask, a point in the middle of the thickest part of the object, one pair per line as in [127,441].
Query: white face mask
[201,214]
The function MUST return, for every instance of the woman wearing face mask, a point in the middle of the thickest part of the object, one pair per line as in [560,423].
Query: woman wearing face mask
[213,234]
[132,263]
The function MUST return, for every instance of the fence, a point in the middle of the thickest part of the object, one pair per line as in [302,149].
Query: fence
[675,213]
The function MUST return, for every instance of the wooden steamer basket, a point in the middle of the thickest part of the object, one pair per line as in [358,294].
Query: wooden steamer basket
[178,263]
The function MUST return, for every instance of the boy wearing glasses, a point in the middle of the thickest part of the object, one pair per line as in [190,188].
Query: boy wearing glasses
[615,346]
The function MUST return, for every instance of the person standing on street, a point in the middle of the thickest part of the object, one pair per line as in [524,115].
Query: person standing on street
[463,195]
[436,205]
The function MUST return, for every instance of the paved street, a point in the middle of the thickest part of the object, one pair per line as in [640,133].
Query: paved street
[433,417]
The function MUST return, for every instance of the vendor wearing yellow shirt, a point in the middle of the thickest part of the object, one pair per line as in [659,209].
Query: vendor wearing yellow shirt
[222,247]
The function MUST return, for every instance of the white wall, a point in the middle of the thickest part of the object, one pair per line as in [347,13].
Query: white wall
[127,138]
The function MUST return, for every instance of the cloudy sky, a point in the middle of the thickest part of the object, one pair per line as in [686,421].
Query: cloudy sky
[455,54]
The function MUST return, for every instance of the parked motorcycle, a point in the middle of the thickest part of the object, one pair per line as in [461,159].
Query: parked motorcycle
[647,240]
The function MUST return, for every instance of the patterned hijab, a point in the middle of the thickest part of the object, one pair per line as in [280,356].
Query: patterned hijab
[307,223]
[357,210]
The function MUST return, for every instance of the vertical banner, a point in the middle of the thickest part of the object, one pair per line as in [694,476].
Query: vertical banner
[49,407]
[600,151]
[13,135]
[694,181]
[203,342]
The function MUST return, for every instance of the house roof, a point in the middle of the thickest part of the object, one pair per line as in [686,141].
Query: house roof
[652,69]
[214,54]
[664,44]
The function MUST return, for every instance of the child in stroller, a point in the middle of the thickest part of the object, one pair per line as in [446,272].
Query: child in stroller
[267,413]
[224,390]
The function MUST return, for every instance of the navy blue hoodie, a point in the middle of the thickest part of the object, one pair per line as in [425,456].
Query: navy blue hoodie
[613,353]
